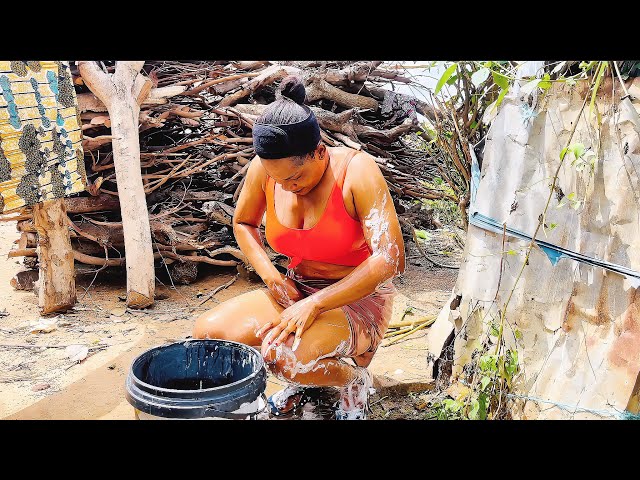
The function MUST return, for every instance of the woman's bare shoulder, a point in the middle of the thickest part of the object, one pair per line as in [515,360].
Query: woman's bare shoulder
[256,172]
[363,165]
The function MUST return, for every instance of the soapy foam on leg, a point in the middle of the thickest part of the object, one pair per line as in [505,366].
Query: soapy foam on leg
[292,366]
[354,397]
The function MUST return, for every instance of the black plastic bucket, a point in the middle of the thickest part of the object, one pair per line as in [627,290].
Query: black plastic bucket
[216,379]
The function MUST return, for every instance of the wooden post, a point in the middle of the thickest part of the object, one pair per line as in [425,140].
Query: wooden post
[122,93]
[57,290]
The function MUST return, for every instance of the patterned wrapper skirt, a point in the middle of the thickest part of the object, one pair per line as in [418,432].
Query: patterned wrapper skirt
[368,317]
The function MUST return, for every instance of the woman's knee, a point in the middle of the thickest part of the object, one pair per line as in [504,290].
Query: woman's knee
[237,319]
[210,324]
[289,365]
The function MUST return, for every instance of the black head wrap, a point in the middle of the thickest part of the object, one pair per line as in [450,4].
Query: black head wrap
[289,139]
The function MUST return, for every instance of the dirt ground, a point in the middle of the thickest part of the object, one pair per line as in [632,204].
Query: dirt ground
[78,369]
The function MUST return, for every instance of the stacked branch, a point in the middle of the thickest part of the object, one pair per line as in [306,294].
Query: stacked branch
[195,125]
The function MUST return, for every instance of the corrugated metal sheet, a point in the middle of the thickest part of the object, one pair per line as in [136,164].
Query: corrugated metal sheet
[580,325]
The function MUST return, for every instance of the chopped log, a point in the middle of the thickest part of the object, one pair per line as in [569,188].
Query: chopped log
[184,273]
[201,258]
[24,280]
[119,96]
[422,107]
[365,132]
[25,226]
[252,65]
[157,96]
[57,290]
[92,204]
[210,83]
[94,143]
[102,262]
[219,212]
[23,252]
[357,72]
[266,77]
[318,88]
[227,86]
[28,240]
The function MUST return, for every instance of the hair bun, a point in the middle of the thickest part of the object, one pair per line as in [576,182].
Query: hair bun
[293,88]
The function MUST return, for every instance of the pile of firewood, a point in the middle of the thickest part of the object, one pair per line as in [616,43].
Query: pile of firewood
[195,140]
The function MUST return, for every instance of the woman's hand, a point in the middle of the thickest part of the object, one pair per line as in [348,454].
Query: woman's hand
[283,290]
[296,318]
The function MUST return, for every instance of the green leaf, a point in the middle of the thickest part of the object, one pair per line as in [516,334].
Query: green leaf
[501,96]
[527,88]
[576,205]
[445,76]
[451,405]
[545,83]
[500,80]
[484,382]
[577,149]
[488,363]
[552,226]
[423,234]
[452,80]
[563,152]
[480,76]
[494,330]
[512,252]
[571,196]
[482,400]
[511,365]
[518,335]
[587,65]
[475,409]
[602,66]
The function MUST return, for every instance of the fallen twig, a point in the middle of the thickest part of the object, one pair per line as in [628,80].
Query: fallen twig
[400,337]
[410,323]
[217,289]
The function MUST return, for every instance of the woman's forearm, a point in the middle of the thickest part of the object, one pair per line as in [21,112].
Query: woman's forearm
[248,239]
[361,282]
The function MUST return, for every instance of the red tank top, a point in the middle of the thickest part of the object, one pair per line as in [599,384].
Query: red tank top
[336,238]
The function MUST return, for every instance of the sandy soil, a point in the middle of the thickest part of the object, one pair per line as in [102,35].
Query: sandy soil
[39,380]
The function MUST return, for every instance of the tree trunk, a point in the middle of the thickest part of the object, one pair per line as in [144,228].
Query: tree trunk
[57,290]
[122,95]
